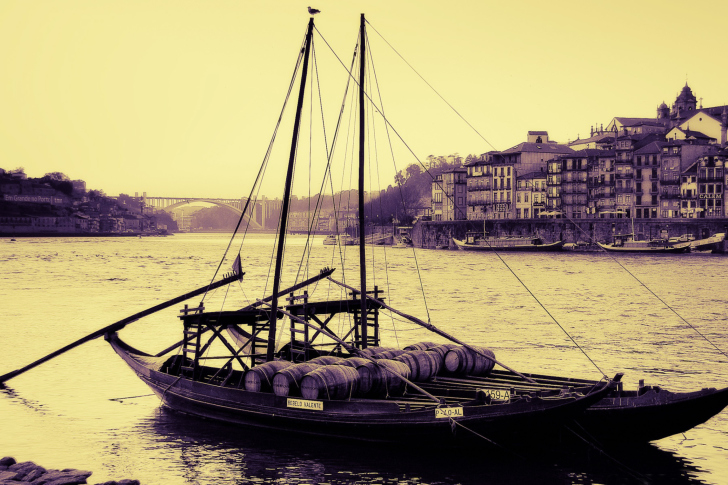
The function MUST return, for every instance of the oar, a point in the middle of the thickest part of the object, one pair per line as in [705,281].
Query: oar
[432,328]
[122,323]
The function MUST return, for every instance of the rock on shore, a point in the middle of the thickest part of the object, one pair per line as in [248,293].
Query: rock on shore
[13,473]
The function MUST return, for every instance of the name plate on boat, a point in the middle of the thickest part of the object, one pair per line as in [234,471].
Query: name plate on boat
[305,404]
[498,394]
[449,412]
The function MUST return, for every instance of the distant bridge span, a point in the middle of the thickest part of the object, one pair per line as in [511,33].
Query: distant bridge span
[257,211]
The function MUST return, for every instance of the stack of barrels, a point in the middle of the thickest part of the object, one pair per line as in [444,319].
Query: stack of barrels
[379,372]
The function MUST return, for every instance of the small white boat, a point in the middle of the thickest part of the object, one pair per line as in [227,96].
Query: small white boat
[709,243]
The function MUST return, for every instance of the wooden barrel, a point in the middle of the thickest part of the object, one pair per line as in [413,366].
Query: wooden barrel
[369,351]
[462,361]
[423,365]
[287,382]
[327,360]
[330,382]
[354,362]
[388,354]
[260,377]
[441,350]
[375,381]
[421,346]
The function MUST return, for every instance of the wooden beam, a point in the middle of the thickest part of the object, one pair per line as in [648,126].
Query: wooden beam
[432,328]
[115,327]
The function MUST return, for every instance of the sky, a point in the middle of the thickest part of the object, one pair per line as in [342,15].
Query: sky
[181,98]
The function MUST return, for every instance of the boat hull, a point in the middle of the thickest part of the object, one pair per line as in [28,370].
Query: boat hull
[555,246]
[646,250]
[359,419]
[651,416]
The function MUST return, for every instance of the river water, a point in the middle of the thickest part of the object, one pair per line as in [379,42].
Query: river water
[86,409]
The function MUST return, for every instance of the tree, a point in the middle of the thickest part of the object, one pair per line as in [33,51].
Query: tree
[57,176]
[413,170]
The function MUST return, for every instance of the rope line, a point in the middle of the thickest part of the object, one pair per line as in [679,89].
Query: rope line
[262,169]
[430,86]
[646,287]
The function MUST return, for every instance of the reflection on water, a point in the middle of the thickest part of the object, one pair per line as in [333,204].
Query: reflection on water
[87,410]
[209,452]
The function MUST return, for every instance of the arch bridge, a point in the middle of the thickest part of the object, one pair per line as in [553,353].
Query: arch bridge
[257,211]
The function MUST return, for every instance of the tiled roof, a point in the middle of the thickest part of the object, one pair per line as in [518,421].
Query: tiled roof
[538,147]
[596,138]
[654,147]
[586,152]
[640,121]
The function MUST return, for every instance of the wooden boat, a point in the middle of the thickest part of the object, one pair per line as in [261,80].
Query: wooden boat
[625,243]
[429,395]
[475,241]
[451,394]
[344,389]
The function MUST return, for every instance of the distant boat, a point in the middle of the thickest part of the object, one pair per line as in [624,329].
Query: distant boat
[475,241]
[403,242]
[709,243]
[625,243]
[344,240]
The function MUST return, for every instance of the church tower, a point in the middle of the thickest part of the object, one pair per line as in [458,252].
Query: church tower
[663,112]
[685,103]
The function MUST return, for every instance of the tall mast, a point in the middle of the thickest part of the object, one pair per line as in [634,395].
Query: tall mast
[362,232]
[286,200]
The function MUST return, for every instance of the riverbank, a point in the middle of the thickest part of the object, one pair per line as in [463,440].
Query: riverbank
[14,473]
[431,234]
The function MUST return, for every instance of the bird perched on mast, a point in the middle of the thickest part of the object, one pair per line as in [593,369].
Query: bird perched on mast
[313,11]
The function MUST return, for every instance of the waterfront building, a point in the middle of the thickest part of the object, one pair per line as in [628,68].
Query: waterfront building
[494,195]
[624,176]
[604,192]
[670,181]
[532,156]
[689,192]
[449,195]
[574,175]
[478,182]
[696,137]
[553,188]
[647,180]
[710,170]
[504,175]
[530,195]
[621,126]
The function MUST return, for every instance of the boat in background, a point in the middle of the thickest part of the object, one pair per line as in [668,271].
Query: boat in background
[625,243]
[711,243]
[343,239]
[476,241]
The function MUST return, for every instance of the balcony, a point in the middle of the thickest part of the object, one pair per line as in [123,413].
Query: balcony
[710,178]
[624,190]
[624,175]
[477,188]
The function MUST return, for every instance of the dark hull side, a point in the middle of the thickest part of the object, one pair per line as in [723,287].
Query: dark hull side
[359,419]
[652,416]
[656,250]
[555,246]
